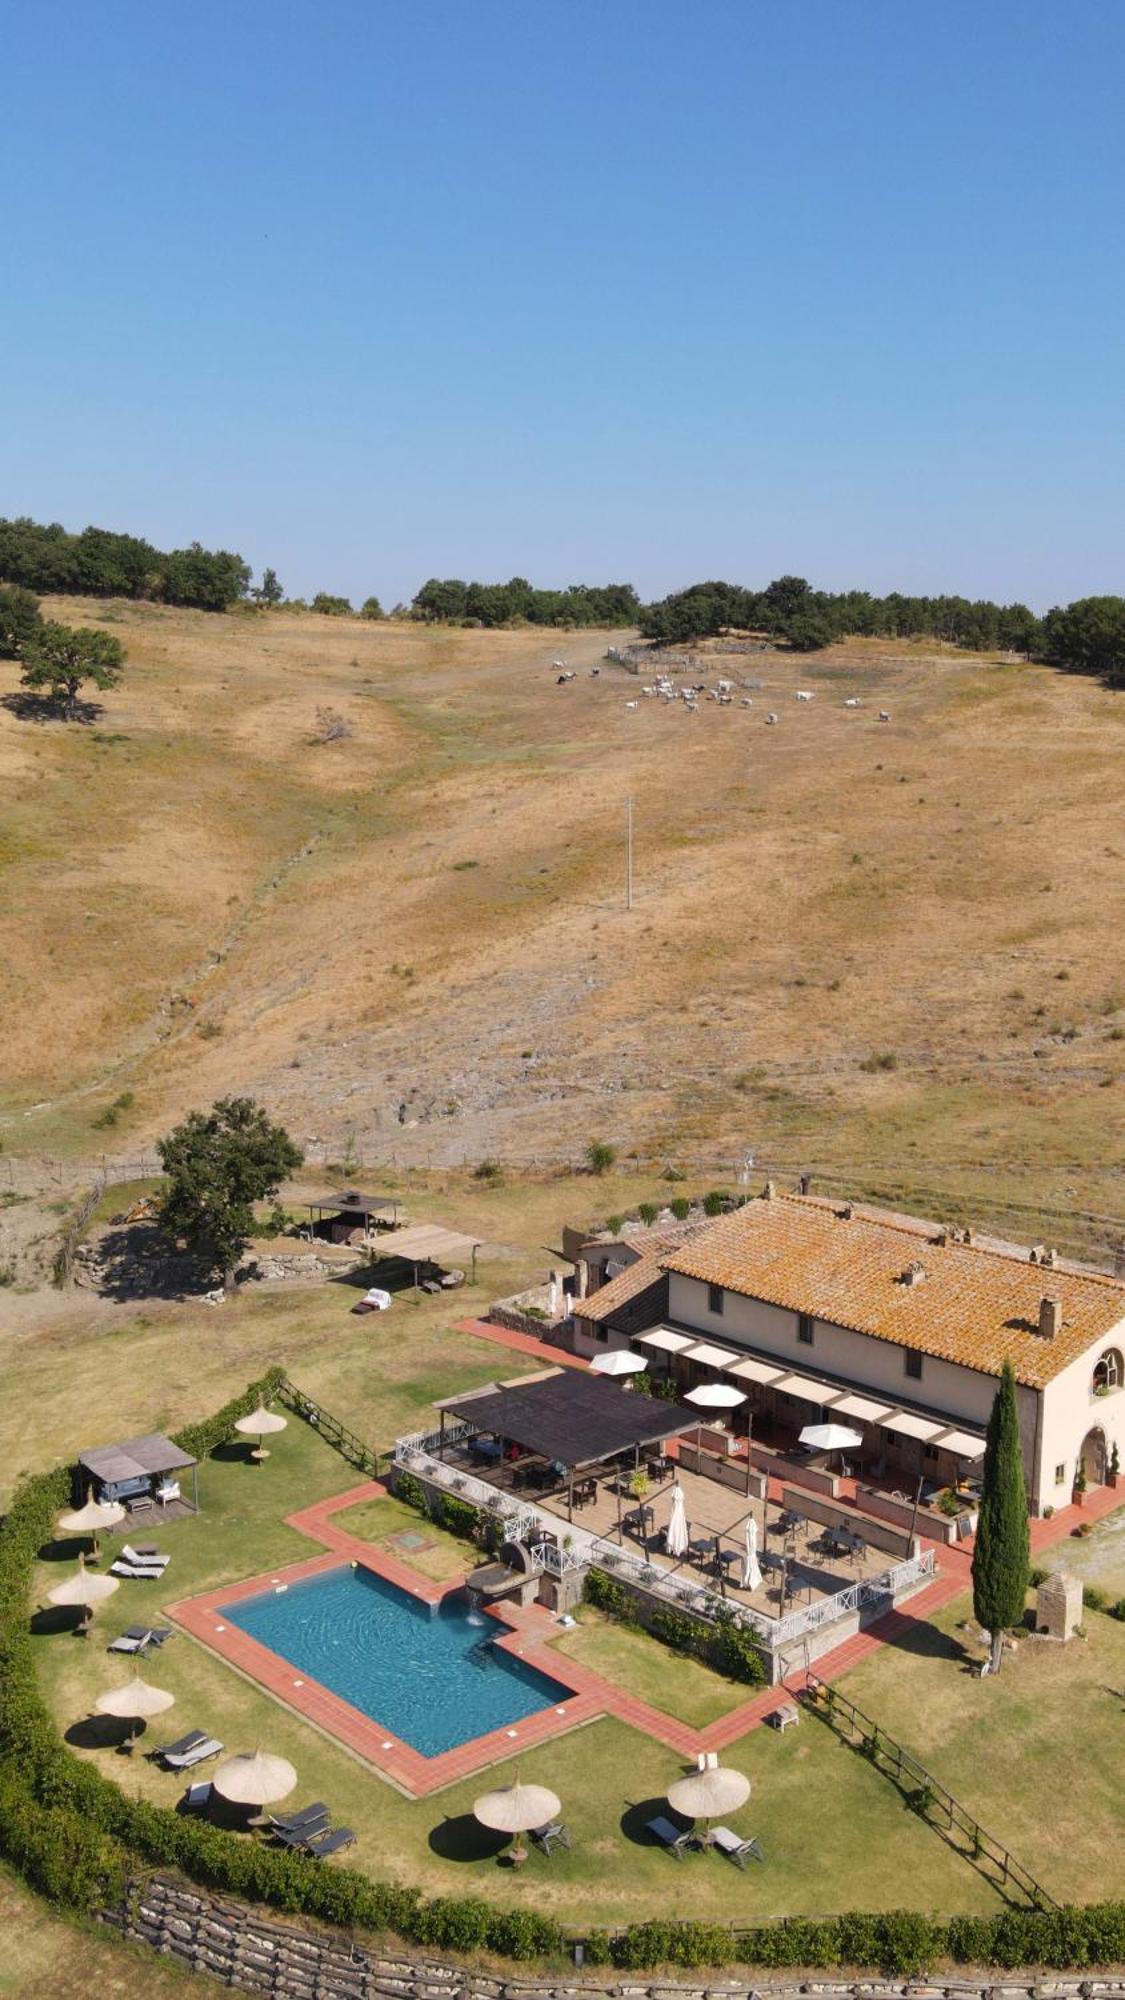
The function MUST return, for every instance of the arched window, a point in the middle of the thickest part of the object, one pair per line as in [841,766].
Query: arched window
[1109,1372]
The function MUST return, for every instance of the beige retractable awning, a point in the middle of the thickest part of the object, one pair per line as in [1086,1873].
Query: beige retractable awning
[911,1426]
[709,1356]
[804,1386]
[861,1407]
[962,1444]
[664,1339]
[424,1243]
[754,1371]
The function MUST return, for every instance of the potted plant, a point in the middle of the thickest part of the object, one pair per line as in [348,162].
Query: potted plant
[638,1483]
[1080,1485]
[1114,1473]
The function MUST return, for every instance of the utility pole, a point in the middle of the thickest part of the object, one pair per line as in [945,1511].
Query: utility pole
[629,853]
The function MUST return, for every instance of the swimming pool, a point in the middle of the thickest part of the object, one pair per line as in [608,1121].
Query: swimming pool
[429,1673]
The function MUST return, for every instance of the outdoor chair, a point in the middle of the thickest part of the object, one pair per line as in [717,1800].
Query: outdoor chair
[196,1798]
[184,1760]
[735,1848]
[676,1839]
[554,1834]
[144,1572]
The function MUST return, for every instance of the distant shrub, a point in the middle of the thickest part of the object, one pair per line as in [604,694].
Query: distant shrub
[886,1060]
[648,1213]
[600,1156]
[716,1202]
[489,1171]
[615,1224]
[680,1207]
[332,607]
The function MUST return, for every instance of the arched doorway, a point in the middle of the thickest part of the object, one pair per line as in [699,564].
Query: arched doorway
[1092,1457]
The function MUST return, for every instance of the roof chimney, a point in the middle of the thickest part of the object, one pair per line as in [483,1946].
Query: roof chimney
[1050,1317]
[769,1190]
[1037,1253]
[847,1212]
[913,1274]
[804,1185]
[1049,1256]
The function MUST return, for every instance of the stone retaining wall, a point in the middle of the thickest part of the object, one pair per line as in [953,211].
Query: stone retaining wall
[257,1954]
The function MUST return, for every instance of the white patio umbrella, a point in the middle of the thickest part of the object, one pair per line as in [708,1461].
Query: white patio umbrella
[135,1700]
[716,1396]
[83,1586]
[254,1779]
[706,1794]
[516,1809]
[676,1533]
[618,1361]
[260,1423]
[830,1437]
[751,1568]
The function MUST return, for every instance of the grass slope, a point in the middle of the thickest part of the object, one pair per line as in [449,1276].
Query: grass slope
[417,932]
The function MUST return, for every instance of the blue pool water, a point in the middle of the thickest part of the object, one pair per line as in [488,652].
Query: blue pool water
[430,1675]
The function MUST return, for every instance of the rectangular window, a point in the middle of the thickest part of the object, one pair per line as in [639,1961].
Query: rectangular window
[1060,1475]
[913,1364]
[805,1329]
[715,1298]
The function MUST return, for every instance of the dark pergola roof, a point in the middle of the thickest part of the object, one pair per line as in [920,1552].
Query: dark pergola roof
[351,1202]
[137,1457]
[576,1418]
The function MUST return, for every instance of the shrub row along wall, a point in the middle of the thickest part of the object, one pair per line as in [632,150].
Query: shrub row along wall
[249,1952]
[77,1838]
[724,1645]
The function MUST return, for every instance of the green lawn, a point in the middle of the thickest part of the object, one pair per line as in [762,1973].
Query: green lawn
[631,1659]
[45,1956]
[1037,1754]
[383,1522]
[835,1834]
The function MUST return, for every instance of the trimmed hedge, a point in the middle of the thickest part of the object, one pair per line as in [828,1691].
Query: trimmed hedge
[76,1837]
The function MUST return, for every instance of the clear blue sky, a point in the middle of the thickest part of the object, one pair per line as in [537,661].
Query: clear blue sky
[605,289]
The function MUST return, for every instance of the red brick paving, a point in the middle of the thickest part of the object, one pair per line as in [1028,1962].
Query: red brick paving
[521,1343]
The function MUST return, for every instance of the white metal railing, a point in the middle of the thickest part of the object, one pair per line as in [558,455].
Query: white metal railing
[430,1441]
[886,1586]
[539,1532]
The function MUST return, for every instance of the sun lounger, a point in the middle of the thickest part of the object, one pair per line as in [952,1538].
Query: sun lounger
[331,1843]
[149,1573]
[185,1760]
[144,1555]
[181,1744]
[674,1838]
[554,1834]
[733,1845]
[299,1836]
[196,1797]
[133,1641]
[301,1818]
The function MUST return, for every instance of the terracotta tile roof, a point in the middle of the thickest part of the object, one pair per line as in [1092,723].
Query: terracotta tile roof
[977,1305]
[635,1299]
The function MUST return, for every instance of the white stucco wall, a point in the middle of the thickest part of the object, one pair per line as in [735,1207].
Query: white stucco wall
[1070,1410]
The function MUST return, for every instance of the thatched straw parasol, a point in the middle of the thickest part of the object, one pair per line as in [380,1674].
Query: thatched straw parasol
[705,1794]
[94,1518]
[135,1700]
[254,1779]
[516,1809]
[83,1586]
[260,1423]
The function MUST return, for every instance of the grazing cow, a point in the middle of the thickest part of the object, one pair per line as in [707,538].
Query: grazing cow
[852,701]
[630,704]
[884,715]
[771,717]
[746,701]
[594,672]
[803,694]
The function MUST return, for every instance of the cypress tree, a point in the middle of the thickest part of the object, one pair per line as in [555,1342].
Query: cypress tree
[1001,1557]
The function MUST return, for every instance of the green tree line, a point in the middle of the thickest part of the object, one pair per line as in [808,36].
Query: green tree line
[516,602]
[99,563]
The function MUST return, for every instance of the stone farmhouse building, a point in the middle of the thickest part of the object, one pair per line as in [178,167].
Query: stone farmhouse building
[824,1310]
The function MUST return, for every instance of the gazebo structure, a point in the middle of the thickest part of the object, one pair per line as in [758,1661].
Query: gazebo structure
[564,1426]
[140,1472]
[350,1216]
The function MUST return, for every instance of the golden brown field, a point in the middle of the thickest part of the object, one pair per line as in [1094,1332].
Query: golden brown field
[417,934]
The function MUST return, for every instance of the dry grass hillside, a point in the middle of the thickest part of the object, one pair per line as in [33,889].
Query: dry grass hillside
[417,933]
